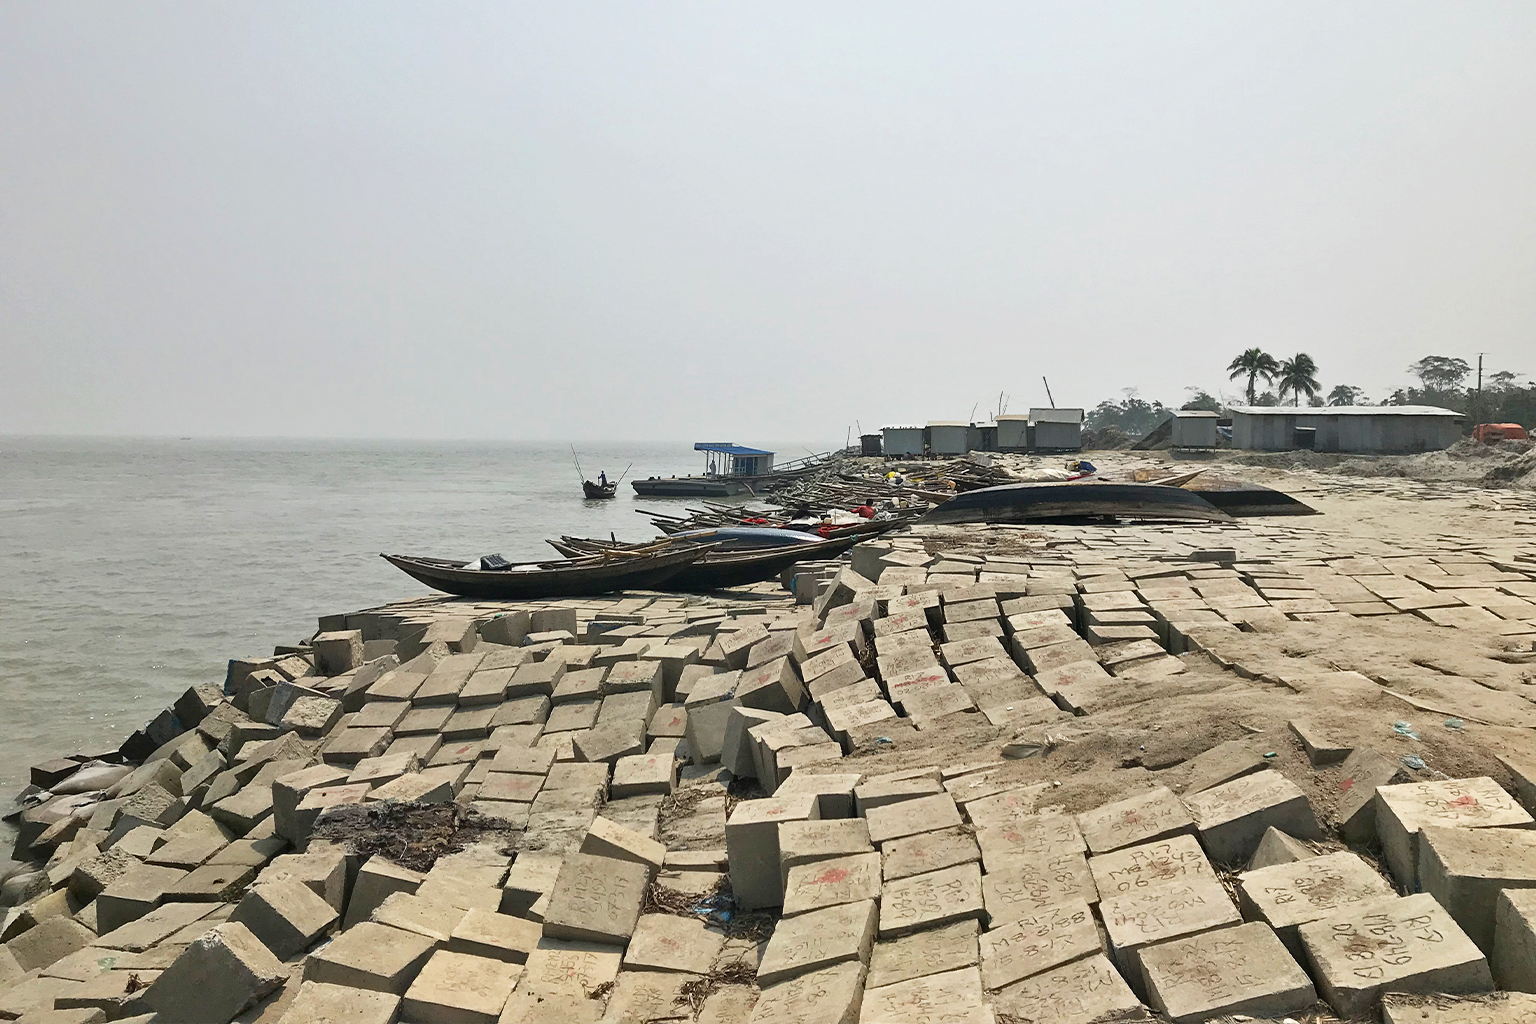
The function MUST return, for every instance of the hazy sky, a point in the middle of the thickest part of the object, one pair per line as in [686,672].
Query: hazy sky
[745,221]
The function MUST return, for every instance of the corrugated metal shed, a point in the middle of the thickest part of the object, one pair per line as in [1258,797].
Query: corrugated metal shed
[1367,429]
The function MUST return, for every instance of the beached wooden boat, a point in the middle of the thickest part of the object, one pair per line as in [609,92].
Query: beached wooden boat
[596,490]
[1067,501]
[722,568]
[644,569]
[717,570]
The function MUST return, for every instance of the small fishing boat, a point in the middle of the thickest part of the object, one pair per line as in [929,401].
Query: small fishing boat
[637,569]
[1068,501]
[602,487]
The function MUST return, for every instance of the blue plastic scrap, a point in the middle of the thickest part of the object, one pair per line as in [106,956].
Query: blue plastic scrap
[1454,723]
[1414,761]
[1404,729]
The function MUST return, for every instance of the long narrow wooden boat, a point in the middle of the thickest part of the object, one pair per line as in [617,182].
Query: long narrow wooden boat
[1067,501]
[723,568]
[597,490]
[578,577]
[717,571]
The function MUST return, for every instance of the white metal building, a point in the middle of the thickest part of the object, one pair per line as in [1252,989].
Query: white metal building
[902,441]
[1012,433]
[1194,428]
[1375,429]
[949,438]
[1057,429]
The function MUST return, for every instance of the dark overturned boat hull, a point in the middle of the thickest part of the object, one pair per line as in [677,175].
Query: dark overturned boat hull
[1069,502]
[582,578]
[1245,499]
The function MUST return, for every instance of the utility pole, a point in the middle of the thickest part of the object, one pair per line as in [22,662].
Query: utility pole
[1477,401]
[1048,391]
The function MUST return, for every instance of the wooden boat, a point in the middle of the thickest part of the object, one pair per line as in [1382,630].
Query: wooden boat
[1068,501]
[596,490]
[642,569]
[722,568]
[717,570]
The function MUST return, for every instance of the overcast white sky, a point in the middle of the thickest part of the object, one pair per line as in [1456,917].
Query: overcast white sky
[677,220]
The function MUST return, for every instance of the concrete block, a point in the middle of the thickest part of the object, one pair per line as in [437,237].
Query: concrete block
[774,686]
[497,936]
[134,893]
[1278,848]
[1514,940]
[1466,868]
[910,817]
[1147,817]
[457,988]
[817,940]
[1321,746]
[930,900]
[752,843]
[608,743]
[833,792]
[608,838]
[1081,992]
[1287,896]
[1403,810]
[934,951]
[557,968]
[1364,771]
[832,995]
[1232,818]
[49,942]
[531,876]
[737,749]
[1037,941]
[1492,1008]
[1402,944]
[641,774]
[666,942]
[1221,764]
[1141,868]
[338,1004]
[215,977]
[928,851]
[1239,970]
[1144,918]
[1025,888]
[825,883]
[596,899]
[322,868]
[370,956]
[806,842]
[286,916]
[957,994]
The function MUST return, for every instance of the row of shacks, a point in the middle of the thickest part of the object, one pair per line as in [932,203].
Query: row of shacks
[1043,430]
[1368,429]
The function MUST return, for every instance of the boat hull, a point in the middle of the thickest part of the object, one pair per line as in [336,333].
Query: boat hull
[1066,502]
[688,487]
[592,490]
[738,569]
[577,580]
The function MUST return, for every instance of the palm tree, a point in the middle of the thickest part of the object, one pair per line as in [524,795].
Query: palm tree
[1345,394]
[1254,363]
[1298,375]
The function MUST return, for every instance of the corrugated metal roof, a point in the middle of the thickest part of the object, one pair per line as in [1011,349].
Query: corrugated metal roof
[1064,415]
[1345,410]
[949,423]
[904,426]
[727,448]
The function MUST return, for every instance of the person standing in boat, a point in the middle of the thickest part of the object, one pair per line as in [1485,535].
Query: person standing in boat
[602,477]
